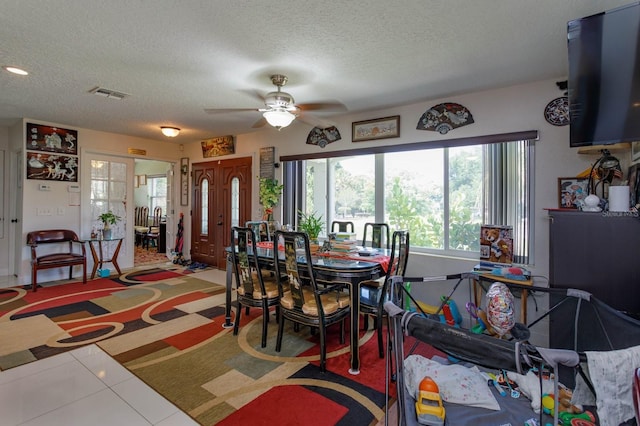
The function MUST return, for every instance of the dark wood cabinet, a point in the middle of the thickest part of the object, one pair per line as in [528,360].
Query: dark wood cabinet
[598,253]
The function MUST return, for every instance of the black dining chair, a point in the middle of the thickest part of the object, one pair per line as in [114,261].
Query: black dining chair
[302,300]
[342,226]
[373,292]
[254,288]
[379,233]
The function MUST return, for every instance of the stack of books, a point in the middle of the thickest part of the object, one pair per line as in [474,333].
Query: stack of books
[345,242]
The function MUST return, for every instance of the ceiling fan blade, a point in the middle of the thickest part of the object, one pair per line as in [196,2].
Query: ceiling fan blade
[254,94]
[222,110]
[327,106]
[259,123]
[313,121]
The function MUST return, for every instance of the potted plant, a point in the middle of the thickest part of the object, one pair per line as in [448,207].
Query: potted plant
[109,218]
[311,224]
[269,194]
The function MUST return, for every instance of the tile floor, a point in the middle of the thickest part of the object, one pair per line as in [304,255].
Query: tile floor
[82,387]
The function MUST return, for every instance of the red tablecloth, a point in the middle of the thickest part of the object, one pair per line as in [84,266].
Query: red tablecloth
[268,245]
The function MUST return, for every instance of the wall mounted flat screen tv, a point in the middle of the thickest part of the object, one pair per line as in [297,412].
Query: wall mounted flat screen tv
[604,77]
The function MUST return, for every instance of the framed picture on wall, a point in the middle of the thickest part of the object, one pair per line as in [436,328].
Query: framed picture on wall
[571,192]
[184,181]
[58,167]
[51,139]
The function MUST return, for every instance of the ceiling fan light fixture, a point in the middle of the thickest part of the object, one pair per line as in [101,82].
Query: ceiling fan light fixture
[170,132]
[279,118]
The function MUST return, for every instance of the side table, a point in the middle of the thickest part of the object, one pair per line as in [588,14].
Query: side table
[98,256]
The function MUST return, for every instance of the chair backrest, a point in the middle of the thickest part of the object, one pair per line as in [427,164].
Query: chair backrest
[51,236]
[399,253]
[157,216]
[379,235]
[342,226]
[141,216]
[296,275]
[260,228]
[245,260]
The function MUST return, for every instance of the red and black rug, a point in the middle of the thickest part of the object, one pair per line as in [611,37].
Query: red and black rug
[165,326]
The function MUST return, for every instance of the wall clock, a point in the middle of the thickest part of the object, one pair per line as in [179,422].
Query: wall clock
[557,111]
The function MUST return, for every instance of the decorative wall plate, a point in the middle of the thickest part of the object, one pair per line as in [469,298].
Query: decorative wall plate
[557,111]
[323,137]
[444,117]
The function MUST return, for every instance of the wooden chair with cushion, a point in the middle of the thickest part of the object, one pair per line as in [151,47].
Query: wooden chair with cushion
[154,228]
[254,288]
[379,233]
[141,224]
[341,226]
[70,258]
[302,301]
[372,292]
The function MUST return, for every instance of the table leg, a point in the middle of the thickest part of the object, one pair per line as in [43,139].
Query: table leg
[95,259]
[227,313]
[355,329]
[114,259]
[523,306]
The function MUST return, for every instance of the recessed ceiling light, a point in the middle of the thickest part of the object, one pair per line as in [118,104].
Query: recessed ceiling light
[15,70]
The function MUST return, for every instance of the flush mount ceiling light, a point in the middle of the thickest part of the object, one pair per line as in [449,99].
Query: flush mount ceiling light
[170,132]
[15,70]
[279,118]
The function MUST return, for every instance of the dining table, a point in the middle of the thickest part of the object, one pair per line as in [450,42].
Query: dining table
[350,268]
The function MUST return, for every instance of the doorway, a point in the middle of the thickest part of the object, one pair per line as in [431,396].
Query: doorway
[152,191]
[221,199]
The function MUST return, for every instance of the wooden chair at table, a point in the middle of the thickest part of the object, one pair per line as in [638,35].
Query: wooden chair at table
[260,228]
[379,235]
[342,226]
[255,289]
[154,229]
[302,301]
[373,292]
[141,224]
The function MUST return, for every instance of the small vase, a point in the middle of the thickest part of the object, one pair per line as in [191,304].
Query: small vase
[106,234]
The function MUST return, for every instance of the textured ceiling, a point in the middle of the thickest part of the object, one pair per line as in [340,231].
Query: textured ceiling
[176,58]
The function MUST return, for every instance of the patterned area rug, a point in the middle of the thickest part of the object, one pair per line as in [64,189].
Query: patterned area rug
[142,256]
[165,326]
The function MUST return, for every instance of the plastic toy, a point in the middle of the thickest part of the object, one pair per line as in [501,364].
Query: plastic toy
[429,408]
[582,419]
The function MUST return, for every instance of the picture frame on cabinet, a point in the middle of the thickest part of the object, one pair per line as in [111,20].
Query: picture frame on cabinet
[571,192]
[635,151]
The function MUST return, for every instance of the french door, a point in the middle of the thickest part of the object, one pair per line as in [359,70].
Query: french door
[221,199]
[109,179]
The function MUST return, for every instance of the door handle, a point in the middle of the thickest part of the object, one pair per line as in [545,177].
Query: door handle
[14,220]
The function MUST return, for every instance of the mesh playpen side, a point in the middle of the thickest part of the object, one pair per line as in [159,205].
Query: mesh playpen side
[579,322]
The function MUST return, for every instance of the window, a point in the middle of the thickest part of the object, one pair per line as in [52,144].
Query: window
[442,195]
[157,192]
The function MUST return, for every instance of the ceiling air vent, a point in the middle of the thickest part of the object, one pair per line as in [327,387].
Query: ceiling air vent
[108,93]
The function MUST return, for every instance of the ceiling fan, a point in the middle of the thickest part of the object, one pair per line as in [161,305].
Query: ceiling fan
[280,108]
